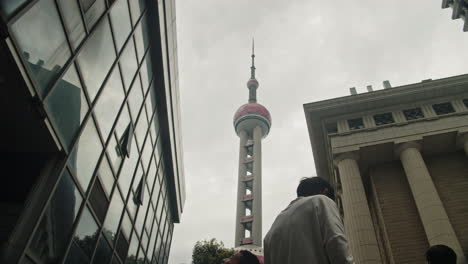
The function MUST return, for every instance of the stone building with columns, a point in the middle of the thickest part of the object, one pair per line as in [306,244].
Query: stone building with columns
[398,160]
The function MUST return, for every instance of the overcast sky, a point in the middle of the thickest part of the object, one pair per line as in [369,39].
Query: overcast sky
[306,51]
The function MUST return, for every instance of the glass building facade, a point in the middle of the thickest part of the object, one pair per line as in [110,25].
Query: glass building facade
[102,80]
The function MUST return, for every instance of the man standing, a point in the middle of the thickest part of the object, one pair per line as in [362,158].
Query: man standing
[309,230]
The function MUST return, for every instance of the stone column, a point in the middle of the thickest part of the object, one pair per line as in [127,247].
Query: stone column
[257,187]
[240,209]
[357,218]
[433,216]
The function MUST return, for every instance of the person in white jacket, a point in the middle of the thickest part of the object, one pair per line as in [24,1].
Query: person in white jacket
[309,230]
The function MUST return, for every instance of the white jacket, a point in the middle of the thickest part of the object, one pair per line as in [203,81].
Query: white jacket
[308,231]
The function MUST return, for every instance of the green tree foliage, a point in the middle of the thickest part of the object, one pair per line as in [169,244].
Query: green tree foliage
[210,252]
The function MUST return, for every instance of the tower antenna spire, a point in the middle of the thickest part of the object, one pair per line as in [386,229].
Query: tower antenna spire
[252,68]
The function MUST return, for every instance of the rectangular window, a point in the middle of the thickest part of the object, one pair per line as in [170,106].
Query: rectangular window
[383,119]
[122,247]
[443,108]
[332,128]
[413,114]
[356,123]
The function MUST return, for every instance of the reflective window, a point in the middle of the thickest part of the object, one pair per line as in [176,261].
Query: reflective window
[67,106]
[96,58]
[383,119]
[414,113]
[132,252]
[137,7]
[138,175]
[157,248]
[443,108]
[54,230]
[154,235]
[128,62]
[76,255]
[126,226]
[7,8]
[128,169]
[356,123]
[92,9]
[151,173]
[85,156]
[113,216]
[120,19]
[141,128]
[109,102]
[114,151]
[146,154]
[103,251]
[146,71]
[135,99]
[86,232]
[141,38]
[122,123]
[105,174]
[73,23]
[45,58]
[98,200]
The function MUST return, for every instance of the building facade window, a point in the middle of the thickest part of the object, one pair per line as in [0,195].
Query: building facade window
[384,119]
[413,114]
[443,108]
[356,123]
[332,128]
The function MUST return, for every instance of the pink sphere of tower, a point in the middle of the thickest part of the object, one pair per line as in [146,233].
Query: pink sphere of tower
[250,115]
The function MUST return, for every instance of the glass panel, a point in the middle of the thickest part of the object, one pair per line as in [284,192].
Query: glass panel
[158,150]
[159,208]
[103,252]
[157,248]
[146,154]
[114,153]
[154,235]
[126,226]
[86,232]
[126,174]
[149,218]
[141,38]
[141,128]
[7,8]
[140,220]
[137,7]
[122,123]
[131,256]
[128,62]
[96,58]
[93,9]
[139,172]
[109,102]
[73,23]
[135,99]
[106,176]
[85,156]
[45,58]
[151,173]
[144,241]
[76,255]
[120,19]
[113,216]
[67,106]
[57,222]
[146,71]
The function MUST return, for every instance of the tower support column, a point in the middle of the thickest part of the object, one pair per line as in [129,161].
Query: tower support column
[433,216]
[257,187]
[357,218]
[240,210]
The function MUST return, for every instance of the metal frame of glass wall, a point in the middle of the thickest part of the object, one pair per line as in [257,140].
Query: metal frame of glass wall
[94,78]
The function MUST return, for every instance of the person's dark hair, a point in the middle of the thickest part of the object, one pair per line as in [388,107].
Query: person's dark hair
[441,254]
[248,258]
[314,185]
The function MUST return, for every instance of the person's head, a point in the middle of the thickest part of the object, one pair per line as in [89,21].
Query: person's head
[441,254]
[313,186]
[242,257]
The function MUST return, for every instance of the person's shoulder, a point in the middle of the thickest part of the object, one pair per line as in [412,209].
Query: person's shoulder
[319,200]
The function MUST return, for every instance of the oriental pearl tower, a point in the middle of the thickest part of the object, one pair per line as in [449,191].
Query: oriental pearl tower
[252,123]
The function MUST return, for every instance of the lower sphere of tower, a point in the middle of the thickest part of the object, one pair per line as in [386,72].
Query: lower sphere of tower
[251,115]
